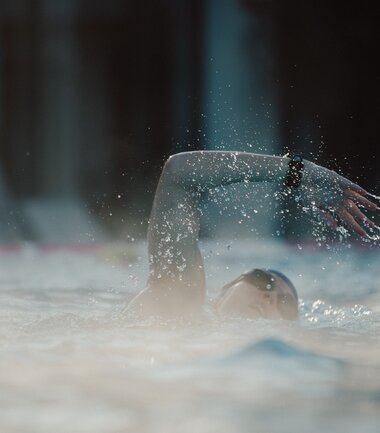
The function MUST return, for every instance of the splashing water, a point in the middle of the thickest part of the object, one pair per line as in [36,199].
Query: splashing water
[376,197]
[70,360]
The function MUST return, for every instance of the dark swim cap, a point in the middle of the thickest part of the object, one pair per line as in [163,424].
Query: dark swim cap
[286,305]
[286,280]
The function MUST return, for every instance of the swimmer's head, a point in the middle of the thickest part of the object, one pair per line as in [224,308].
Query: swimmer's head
[260,293]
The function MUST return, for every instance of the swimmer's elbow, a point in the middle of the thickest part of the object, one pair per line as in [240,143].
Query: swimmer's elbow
[181,168]
[174,165]
[177,159]
[170,169]
[171,162]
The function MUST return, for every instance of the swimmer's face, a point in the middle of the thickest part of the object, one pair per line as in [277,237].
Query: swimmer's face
[258,294]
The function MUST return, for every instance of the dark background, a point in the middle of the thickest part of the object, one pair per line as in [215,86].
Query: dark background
[95,95]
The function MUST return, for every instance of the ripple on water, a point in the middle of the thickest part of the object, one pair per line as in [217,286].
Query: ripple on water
[68,353]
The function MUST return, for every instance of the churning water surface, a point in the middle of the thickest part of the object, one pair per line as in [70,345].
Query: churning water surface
[71,362]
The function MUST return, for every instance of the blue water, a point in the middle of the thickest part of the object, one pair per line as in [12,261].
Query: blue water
[70,361]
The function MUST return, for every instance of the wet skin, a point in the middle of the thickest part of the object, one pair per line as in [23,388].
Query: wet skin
[176,284]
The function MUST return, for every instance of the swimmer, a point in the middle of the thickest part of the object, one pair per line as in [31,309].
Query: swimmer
[176,284]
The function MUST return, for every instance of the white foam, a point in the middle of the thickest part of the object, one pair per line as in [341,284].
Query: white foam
[71,362]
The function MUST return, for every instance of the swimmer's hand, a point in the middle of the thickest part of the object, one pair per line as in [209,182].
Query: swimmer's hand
[332,197]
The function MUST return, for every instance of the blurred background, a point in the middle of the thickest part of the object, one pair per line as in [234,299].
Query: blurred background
[95,95]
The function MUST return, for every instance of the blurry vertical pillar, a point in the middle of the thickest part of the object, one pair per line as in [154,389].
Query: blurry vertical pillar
[187,74]
[19,108]
[19,93]
[58,213]
[60,134]
[241,101]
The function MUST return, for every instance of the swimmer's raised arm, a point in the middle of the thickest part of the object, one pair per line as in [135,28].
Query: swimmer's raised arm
[323,190]
[176,283]
[176,279]
[203,170]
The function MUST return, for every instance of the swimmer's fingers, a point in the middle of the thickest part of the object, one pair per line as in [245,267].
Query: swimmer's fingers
[358,214]
[350,221]
[327,218]
[346,184]
[359,199]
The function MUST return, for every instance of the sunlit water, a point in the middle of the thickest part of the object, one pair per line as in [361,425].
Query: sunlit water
[70,362]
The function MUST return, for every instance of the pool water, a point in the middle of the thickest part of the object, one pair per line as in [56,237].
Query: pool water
[71,362]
